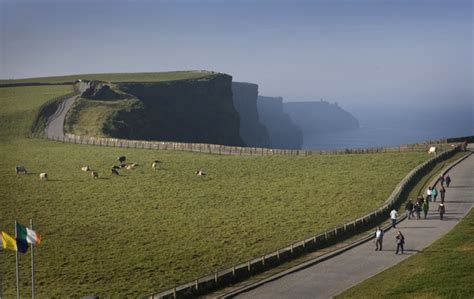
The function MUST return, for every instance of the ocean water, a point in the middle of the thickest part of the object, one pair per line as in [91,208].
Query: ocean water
[395,130]
[367,136]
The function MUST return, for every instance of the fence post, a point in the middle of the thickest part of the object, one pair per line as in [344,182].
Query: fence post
[248,265]
[196,285]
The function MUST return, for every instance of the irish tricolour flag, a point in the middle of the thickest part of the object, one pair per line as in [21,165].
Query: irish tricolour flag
[27,234]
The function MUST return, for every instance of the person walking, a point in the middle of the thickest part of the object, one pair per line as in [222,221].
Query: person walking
[442,193]
[448,180]
[441,180]
[417,210]
[409,209]
[425,207]
[441,210]
[429,192]
[400,241]
[393,216]
[434,193]
[378,238]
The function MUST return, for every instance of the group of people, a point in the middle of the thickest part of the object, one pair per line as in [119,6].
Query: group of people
[399,238]
[412,209]
[423,203]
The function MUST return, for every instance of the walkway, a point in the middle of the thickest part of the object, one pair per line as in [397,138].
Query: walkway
[333,276]
[55,123]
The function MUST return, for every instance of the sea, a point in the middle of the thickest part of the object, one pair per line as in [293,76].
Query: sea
[379,130]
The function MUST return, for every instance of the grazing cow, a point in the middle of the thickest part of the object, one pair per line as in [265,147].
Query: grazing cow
[200,172]
[85,168]
[115,171]
[156,165]
[122,159]
[20,169]
[95,175]
[116,167]
[43,176]
[432,150]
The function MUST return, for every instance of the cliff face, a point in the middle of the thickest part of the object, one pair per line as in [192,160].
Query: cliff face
[320,117]
[284,133]
[252,131]
[197,110]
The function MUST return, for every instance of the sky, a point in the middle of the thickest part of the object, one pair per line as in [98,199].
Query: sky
[365,52]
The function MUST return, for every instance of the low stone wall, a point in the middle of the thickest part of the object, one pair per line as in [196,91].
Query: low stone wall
[243,270]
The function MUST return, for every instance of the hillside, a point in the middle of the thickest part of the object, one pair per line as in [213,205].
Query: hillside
[115,77]
[320,117]
[167,226]
[252,131]
[284,133]
[188,110]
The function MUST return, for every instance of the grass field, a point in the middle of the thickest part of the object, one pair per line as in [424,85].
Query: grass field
[442,270]
[144,230]
[117,77]
[89,117]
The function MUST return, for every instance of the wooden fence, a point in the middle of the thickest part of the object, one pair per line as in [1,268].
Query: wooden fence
[319,240]
[217,149]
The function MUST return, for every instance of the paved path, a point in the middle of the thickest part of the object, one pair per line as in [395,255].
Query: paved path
[55,124]
[336,274]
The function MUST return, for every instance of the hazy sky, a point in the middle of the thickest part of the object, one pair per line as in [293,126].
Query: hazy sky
[352,52]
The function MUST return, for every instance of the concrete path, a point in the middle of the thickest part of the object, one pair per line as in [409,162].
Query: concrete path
[333,276]
[55,124]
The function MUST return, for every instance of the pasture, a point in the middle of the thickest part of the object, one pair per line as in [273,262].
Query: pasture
[116,77]
[147,230]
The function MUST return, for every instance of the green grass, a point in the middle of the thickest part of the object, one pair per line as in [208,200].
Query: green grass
[88,117]
[117,77]
[145,231]
[442,270]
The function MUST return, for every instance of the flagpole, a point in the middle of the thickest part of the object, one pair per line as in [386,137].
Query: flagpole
[17,268]
[32,265]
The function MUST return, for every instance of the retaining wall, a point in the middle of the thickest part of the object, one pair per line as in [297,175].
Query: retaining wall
[319,240]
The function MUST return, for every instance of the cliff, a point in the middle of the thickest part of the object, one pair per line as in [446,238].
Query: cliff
[197,110]
[284,133]
[320,117]
[252,131]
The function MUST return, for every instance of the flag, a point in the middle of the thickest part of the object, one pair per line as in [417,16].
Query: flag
[27,234]
[8,242]
[21,245]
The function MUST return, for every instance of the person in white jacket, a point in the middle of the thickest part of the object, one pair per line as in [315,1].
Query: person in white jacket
[393,216]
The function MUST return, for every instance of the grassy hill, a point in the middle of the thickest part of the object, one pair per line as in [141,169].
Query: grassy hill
[116,77]
[144,230]
[442,270]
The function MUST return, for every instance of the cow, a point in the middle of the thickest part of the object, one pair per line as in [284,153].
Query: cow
[85,168]
[94,175]
[43,176]
[156,165]
[432,150]
[122,159]
[200,173]
[20,169]
[115,171]
[116,167]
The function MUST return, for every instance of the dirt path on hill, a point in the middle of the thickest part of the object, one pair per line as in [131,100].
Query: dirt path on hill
[55,124]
